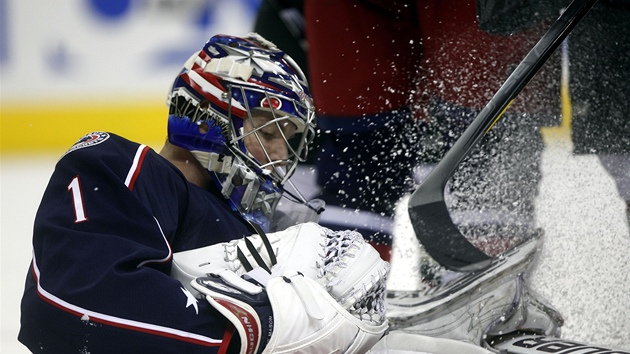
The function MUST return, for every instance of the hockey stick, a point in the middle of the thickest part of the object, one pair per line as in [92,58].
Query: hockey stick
[427,209]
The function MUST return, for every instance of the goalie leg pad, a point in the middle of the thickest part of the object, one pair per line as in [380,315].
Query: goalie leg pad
[398,342]
[476,306]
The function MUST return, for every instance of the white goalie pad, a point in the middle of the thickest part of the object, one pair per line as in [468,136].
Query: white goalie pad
[398,342]
[473,307]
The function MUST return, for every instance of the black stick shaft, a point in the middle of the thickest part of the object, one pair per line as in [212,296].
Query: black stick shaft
[428,212]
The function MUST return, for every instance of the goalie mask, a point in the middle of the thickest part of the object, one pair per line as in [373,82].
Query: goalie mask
[243,108]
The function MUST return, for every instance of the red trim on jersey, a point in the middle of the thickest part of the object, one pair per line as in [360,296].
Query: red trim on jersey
[136,166]
[118,322]
[227,338]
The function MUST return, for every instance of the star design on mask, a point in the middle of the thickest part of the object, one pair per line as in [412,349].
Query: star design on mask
[190,300]
[259,61]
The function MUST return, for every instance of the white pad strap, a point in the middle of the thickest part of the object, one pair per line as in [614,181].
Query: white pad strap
[228,67]
[258,275]
[231,278]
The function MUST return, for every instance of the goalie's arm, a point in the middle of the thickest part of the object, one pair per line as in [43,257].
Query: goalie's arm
[99,279]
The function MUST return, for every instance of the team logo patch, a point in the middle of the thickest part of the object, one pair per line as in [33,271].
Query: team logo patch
[88,140]
[271,102]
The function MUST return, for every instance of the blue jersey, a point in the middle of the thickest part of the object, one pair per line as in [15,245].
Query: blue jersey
[110,219]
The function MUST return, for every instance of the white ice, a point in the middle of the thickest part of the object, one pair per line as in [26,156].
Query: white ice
[583,268]
[22,183]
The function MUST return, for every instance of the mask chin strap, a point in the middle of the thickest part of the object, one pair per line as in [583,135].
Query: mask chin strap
[253,198]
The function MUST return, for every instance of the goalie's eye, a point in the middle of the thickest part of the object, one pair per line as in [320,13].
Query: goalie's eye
[266,137]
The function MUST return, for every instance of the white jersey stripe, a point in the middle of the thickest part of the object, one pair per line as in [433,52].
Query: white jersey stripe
[170,251]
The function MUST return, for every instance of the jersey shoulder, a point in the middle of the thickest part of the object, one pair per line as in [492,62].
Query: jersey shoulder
[103,152]
[96,144]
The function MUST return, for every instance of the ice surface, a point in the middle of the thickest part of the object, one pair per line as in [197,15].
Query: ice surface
[583,267]
[22,183]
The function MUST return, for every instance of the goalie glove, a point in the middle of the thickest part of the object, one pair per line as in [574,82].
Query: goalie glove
[278,250]
[342,262]
[291,314]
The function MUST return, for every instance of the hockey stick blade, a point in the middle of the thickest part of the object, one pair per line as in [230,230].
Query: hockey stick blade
[427,209]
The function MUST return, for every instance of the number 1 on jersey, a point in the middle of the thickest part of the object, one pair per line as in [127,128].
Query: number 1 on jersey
[77,199]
